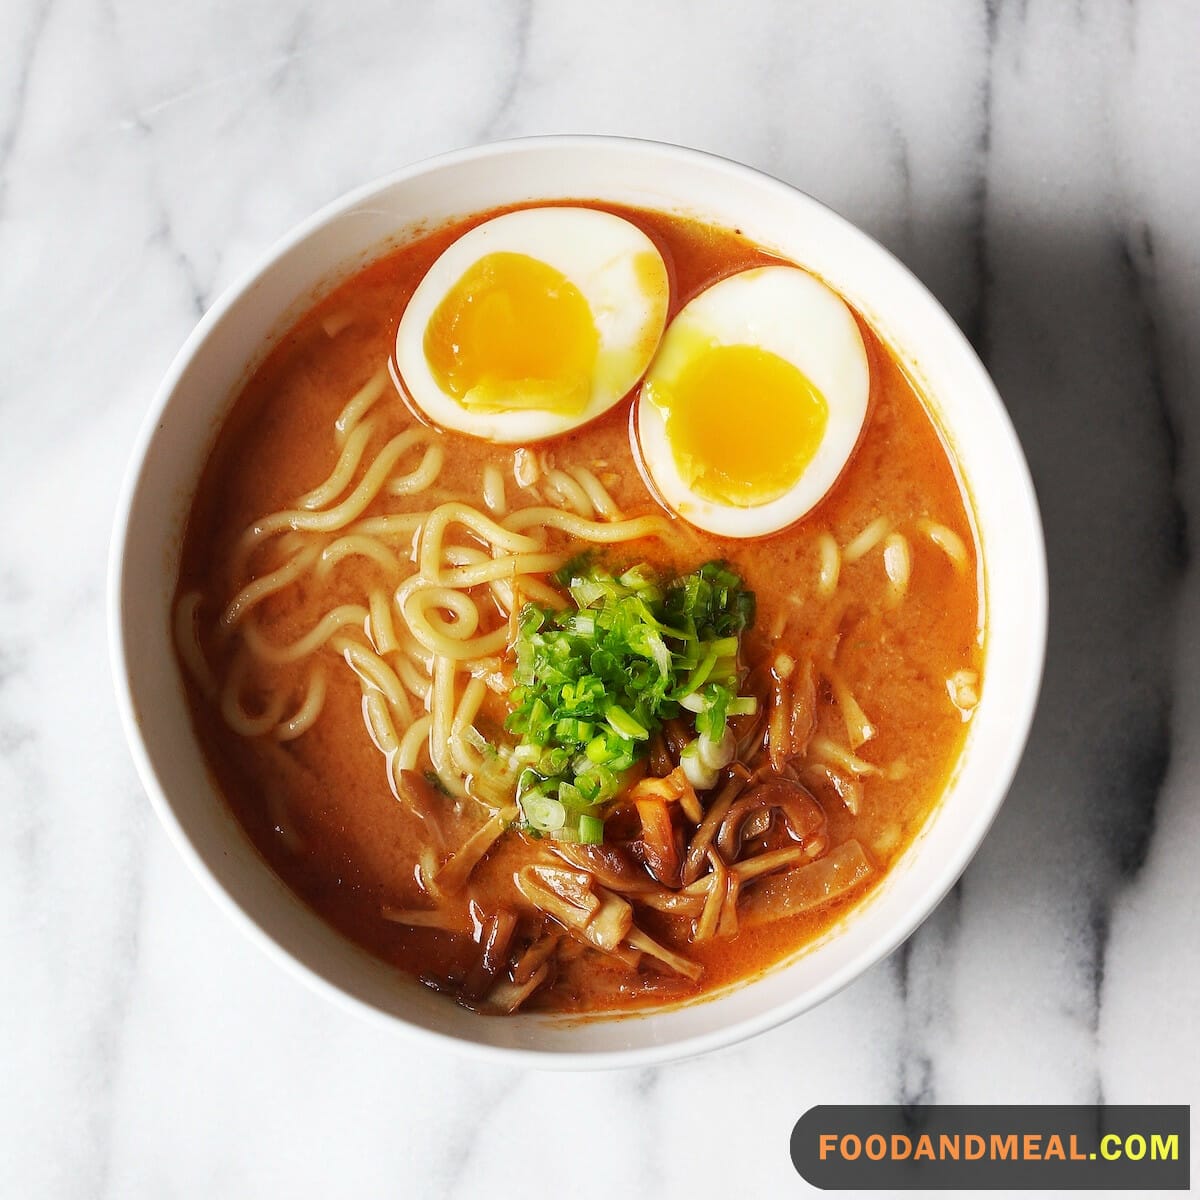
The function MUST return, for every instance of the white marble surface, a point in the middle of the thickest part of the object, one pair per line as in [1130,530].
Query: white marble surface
[1036,163]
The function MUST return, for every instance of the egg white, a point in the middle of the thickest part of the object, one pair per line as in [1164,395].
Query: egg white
[790,313]
[616,267]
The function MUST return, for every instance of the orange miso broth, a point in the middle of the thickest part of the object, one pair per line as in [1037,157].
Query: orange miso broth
[360,600]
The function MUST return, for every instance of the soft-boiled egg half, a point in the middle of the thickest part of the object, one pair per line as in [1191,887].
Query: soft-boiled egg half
[754,402]
[533,323]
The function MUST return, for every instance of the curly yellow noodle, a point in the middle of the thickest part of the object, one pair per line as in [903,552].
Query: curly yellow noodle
[422,476]
[866,541]
[187,642]
[379,722]
[488,570]
[234,712]
[451,640]
[588,531]
[391,525]
[480,647]
[441,716]
[472,567]
[567,490]
[414,650]
[422,604]
[360,545]
[457,556]
[494,498]
[331,519]
[457,513]
[946,540]
[490,781]
[526,588]
[430,599]
[467,758]
[374,672]
[325,628]
[343,471]
[292,543]
[897,563]
[383,628]
[830,564]
[358,404]
[305,717]
[267,585]
[596,492]
[415,739]
[481,668]
[412,675]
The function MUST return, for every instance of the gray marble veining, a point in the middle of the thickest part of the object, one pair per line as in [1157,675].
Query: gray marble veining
[1034,162]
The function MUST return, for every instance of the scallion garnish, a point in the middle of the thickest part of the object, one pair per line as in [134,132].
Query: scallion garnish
[594,682]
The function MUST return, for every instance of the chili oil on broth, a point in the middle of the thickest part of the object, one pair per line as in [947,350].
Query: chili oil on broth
[319,808]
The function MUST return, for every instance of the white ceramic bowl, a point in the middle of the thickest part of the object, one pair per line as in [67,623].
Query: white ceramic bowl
[233,337]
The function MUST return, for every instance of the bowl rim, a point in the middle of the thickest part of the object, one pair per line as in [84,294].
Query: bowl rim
[877,949]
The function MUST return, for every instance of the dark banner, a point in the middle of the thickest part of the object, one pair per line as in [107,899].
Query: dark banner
[1134,1147]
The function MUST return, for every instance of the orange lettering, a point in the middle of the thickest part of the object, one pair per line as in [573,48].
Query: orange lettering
[924,1148]
[1031,1147]
[975,1147]
[828,1141]
[1077,1155]
[1054,1148]
[1004,1147]
[948,1146]
[901,1146]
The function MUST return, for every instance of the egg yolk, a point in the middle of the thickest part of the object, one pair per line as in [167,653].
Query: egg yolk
[514,333]
[742,422]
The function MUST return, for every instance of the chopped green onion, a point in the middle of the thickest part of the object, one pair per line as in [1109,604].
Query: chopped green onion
[624,724]
[698,774]
[543,812]
[592,684]
[591,829]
